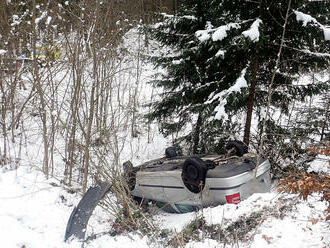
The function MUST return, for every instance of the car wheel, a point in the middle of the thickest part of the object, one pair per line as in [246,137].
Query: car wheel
[194,174]
[170,152]
[236,148]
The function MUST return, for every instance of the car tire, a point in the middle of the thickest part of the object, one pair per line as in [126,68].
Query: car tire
[236,148]
[170,152]
[193,174]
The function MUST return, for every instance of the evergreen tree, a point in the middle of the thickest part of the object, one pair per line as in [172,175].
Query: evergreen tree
[224,52]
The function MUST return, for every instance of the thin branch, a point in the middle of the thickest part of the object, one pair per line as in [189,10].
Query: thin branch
[270,89]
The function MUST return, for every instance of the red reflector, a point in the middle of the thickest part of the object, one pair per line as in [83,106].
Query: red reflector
[234,199]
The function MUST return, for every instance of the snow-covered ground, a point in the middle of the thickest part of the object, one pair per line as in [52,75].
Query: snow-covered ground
[34,212]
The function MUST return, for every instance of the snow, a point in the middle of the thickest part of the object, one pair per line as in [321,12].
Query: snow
[302,228]
[203,35]
[221,32]
[220,53]
[236,87]
[32,208]
[177,61]
[326,32]
[220,111]
[49,19]
[315,54]
[320,164]
[188,17]
[240,83]
[16,21]
[219,214]
[207,243]
[43,15]
[34,214]
[217,34]
[306,19]
[253,33]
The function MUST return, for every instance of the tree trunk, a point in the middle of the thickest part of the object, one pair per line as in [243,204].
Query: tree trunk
[196,134]
[250,104]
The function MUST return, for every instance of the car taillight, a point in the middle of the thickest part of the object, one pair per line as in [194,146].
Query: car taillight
[234,198]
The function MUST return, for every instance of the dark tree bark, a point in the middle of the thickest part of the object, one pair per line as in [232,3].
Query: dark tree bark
[196,134]
[250,104]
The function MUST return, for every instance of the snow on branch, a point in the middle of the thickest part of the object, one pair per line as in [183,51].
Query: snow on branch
[189,17]
[315,53]
[220,53]
[221,32]
[253,33]
[305,19]
[43,15]
[221,96]
[217,34]
[172,19]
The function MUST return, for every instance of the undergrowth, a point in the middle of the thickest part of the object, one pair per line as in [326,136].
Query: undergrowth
[230,233]
[305,184]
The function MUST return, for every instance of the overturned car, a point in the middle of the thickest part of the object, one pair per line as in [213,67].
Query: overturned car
[185,183]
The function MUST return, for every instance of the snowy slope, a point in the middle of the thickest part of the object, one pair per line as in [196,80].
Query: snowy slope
[32,212]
